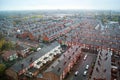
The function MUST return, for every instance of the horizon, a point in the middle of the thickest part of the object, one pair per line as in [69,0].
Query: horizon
[64,10]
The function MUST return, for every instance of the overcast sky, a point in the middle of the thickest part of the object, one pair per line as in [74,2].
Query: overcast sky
[59,4]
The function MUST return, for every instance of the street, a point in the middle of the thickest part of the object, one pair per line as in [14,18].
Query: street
[81,67]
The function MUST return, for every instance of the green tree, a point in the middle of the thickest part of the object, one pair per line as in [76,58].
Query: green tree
[7,46]
[2,69]
[1,36]
[33,49]
[119,19]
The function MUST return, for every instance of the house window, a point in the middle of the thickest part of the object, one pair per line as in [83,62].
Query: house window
[39,63]
[45,58]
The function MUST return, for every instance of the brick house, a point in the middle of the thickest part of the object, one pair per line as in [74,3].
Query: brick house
[22,50]
[10,55]
[59,69]
[25,35]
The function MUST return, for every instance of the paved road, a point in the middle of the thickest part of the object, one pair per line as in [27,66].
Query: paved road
[81,67]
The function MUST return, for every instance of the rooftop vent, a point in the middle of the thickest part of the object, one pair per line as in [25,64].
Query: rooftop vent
[59,69]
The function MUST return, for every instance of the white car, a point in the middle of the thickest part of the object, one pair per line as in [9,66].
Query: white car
[87,66]
[76,73]
[85,73]
[38,49]
[85,57]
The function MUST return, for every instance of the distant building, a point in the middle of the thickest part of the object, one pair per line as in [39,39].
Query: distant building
[26,35]
[113,25]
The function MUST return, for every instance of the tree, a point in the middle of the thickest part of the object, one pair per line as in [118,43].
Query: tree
[33,49]
[12,74]
[2,41]
[119,19]
[1,36]
[2,69]
[6,46]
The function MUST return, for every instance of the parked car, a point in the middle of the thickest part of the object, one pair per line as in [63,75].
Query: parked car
[38,49]
[76,73]
[85,73]
[85,57]
[87,66]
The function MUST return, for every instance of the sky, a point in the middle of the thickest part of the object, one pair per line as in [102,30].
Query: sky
[59,4]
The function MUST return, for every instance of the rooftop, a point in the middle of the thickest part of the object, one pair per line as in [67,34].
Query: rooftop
[59,65]
[102,68]
[26,62]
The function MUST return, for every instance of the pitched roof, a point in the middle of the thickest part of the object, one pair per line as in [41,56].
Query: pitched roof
[59,65]
[8,53]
